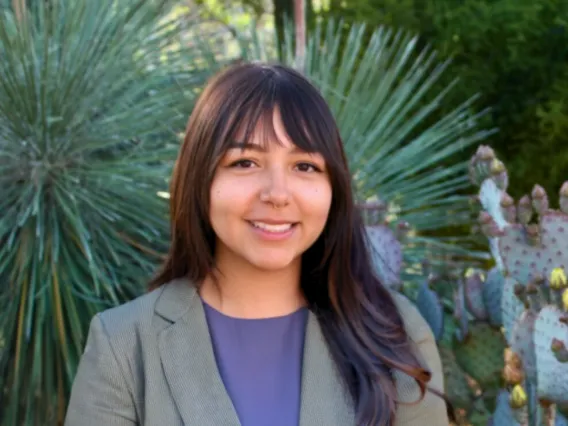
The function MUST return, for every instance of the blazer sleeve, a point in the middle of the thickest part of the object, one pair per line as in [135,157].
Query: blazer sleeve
[99,395]
[431,410]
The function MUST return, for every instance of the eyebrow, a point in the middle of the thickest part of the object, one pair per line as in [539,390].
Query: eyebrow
[259,148]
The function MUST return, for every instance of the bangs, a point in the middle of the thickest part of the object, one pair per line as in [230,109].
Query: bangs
[250,109]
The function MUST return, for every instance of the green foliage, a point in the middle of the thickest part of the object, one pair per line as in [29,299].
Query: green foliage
[527,240]
[524,348]
[92,95]
[481,355]
[457,387]
[514,53]
[92,98]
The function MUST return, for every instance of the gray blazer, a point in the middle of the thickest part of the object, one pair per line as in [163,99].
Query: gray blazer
[150,362]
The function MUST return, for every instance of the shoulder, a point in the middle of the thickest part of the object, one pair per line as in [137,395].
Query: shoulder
[123,322]
[431,406]
[132,311]
[139,321]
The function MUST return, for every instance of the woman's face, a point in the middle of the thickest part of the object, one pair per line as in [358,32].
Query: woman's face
[269,205]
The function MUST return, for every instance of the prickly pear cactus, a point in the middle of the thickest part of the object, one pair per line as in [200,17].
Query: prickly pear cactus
[529,242]
[471,345]
[481,354]
[385,244]
[431,308]
[386,254]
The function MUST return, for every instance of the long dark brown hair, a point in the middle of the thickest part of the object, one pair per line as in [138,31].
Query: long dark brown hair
[359,319]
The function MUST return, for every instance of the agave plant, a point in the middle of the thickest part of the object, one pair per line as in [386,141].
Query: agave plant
[92,96]
[380,93]
[90,103]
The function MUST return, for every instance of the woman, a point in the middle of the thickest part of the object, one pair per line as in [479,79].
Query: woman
[266,311]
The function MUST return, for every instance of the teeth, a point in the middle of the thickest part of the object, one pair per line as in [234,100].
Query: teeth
[272,228]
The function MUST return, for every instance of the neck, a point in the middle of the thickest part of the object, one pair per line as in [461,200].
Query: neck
[240,290]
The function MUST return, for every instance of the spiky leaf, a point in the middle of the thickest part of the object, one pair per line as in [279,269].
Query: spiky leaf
[90,104]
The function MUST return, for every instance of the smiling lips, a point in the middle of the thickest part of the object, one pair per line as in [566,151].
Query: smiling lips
[273,227]
[278,230]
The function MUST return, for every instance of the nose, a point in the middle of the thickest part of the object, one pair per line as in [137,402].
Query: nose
[275,189]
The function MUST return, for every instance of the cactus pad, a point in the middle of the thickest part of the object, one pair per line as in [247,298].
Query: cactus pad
[522,343]
[503,415]
[386,254]
[512,308]
[560,420]
[481,354]
[552,375]
[460,312]
[492,295]
[457,388]
[523,261]
[431,309]
[474,296]
[449,334]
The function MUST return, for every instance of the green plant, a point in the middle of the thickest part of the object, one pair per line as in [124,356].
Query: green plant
[512,323]
[91,98]
[525,295]
[511,52]
[92,94]
[528,242]
[463,311]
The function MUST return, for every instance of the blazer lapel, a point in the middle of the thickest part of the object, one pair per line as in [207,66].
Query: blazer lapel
[324,399]
[191,371]
[188,359]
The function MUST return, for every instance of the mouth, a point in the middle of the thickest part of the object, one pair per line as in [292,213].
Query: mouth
[272,228]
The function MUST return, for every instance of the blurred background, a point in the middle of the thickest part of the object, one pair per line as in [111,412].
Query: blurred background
[454,118]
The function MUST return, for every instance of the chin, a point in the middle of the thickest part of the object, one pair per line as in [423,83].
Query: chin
[272,263]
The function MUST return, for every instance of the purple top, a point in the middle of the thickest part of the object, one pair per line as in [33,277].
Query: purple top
[260,362]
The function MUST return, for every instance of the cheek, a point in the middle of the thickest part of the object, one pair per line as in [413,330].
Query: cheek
[317,201]
[219,202]
[229,196]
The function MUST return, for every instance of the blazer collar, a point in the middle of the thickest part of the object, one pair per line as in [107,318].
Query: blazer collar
[191,371]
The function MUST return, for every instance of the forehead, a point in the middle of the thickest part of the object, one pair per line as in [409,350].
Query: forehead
[270,132]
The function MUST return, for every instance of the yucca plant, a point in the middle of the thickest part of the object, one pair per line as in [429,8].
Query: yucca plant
[93,95]
[381,94]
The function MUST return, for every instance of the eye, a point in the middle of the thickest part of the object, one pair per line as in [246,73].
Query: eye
[308,167]
[243,164]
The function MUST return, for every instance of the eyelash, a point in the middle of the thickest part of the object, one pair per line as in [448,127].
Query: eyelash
[239,163]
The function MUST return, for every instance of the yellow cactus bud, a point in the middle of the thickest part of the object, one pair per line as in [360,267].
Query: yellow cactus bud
[565,299]
[558,279]
[518,397]
[497,166]
[470,272]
